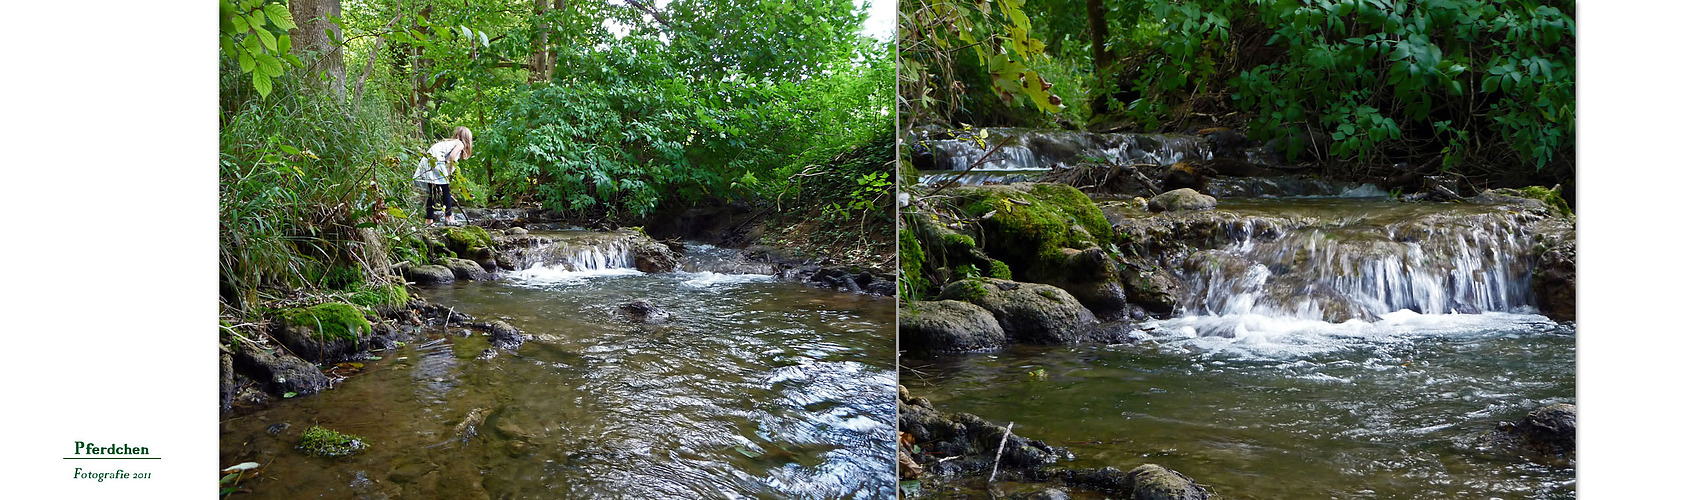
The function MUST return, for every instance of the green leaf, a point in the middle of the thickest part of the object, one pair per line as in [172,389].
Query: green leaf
[467,32]
[268,39]
[279,15]
[245,59]
[1491,83]
[268,64]
[289,394]
[256,20]
[288,149]
[240,24]
[283,44]
[262,83]
[484,37]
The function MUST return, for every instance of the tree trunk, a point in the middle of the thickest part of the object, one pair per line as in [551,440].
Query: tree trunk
[541,57]
[1099,51]
[314,46]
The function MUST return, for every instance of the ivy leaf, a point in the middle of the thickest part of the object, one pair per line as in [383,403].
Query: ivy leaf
[279,15]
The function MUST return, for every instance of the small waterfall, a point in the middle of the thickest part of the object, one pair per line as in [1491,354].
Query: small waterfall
[1365,268]
[1028,149]
[588,251]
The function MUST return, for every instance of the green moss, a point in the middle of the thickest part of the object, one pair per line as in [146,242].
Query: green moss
[1049,293]
[999,269]
[328,443]
[912,257]
[967,271]
[462,239]
[1030,229]
[959,242]
[973,289]
[1551,197]
[392,295]
[332,320]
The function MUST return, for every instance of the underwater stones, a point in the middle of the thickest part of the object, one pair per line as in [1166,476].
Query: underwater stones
[948,326]
[1546,434]
[643,311]
[280,372]
[1030,313]
[503,335]
[466,269]
[429,274]
[1154,482]
[1181,200]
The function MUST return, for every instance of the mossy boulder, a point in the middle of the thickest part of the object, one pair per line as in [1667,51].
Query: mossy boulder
[1156,291]
[947,326]
[384,295]
[467,241]
[1154,482]
[1030,313]
[325,333]
[1051,234]
[1181,200]
[912,257]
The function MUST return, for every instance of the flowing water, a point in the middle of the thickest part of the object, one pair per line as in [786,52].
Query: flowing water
[757,388]
[1333,348]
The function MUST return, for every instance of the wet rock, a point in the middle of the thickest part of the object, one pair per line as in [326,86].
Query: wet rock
[881,286]
[279,371]
[489,353]
[1028,312]
[973,439]
[503,335]
[1154,482]
[517,231]
[655,257]
[466,269]
[643,311]
[1156,291]
[1181,200]
[277,428]
[1555,280]
[1545,435]
[948,326]
[1092,277]
[506,262]
[226,378]
[429,274]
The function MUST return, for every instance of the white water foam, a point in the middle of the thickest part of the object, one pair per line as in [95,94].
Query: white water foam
[544,274]
[1257,336]
[710,279]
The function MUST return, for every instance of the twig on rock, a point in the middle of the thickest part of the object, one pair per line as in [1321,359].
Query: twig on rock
[994,466]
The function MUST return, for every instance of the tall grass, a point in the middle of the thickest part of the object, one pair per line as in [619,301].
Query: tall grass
[306,182]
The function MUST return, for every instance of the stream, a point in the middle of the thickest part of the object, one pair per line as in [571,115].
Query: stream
[757,388]
[1332,344]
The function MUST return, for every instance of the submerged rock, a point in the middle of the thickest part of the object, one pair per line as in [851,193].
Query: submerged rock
[1028,312]
[503,335]
[643,311]
[948,326]
[1547,435]
[1181,200]
[1154,482]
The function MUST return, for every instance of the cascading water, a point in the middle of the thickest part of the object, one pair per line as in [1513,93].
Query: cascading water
[1364,269]
[1026,152]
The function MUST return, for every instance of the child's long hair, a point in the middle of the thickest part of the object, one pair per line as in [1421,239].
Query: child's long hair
[464,136]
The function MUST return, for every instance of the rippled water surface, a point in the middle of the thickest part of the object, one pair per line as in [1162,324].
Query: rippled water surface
[756,389]
[1292,409]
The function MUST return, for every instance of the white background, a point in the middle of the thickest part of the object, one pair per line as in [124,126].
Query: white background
[108,197]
